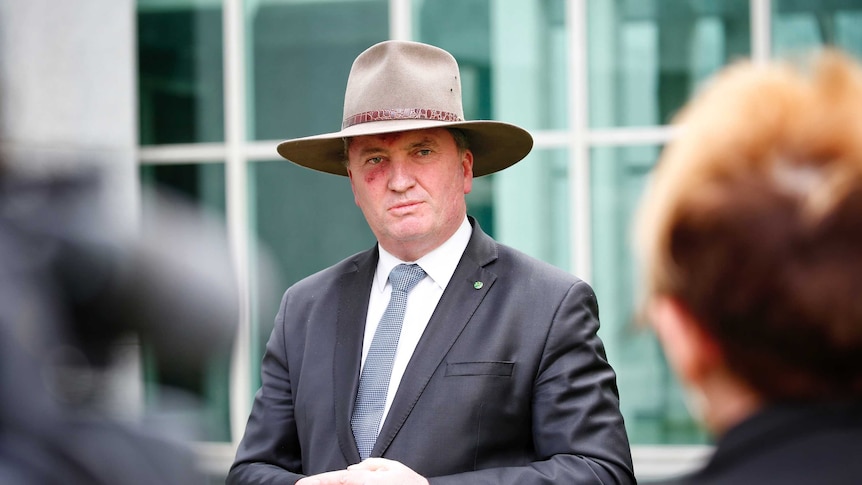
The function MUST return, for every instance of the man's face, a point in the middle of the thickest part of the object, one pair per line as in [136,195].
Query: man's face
[410,186]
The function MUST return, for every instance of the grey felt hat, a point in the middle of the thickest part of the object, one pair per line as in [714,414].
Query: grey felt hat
[400,86]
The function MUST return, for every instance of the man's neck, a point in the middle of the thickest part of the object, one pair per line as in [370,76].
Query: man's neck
[729,401]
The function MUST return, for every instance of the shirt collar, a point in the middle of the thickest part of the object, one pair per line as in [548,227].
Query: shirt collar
[439,264]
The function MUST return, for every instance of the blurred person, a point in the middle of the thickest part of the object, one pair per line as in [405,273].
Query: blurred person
[497,376]
[72,287]
[750,236]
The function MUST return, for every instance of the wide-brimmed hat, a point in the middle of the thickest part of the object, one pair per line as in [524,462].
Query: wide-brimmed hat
[400,86]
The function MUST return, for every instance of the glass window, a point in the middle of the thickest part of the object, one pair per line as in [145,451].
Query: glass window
[300,56]
[512,56]
[203,186]
[531,206]
[304,221]
[798,26]
[651,399]
[645,58]
[180,83]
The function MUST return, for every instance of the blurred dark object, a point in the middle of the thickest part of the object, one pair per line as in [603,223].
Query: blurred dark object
[73,285]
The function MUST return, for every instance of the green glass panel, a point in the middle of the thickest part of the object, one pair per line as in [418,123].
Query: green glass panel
[300,56]
[646,57]
[800,25]
[531,206]
[180,75]
[201,185]
[303,221]
[512,56]
[651,398]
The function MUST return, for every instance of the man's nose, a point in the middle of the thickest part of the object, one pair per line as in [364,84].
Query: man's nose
[401,175]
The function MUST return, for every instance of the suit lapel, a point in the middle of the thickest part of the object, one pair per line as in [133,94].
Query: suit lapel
[350,329]
[455,309]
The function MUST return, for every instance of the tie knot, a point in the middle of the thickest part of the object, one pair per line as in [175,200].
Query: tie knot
[405,276]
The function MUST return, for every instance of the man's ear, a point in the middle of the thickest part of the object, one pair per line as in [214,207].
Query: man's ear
[691,350]
[467,164]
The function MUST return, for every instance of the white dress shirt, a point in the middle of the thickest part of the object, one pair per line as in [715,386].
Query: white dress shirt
[439,265]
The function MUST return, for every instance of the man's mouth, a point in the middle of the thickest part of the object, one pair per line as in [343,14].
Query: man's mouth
[404,206]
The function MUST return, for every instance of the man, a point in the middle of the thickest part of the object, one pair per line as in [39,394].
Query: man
[751,240]
[497,375]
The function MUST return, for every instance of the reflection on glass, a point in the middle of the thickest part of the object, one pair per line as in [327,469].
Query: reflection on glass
[480,203]
[645,58]
[801,25]
[180,71]
[305,221]
[512,59]
[301,53]
[531,206]
[202,185]
[650,396]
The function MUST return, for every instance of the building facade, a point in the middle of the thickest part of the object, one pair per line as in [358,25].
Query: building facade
[597,82]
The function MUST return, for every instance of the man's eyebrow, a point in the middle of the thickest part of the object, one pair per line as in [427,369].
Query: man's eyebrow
[371,149]
[425,142]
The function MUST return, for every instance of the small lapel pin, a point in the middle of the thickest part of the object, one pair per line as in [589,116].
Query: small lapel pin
[478,285]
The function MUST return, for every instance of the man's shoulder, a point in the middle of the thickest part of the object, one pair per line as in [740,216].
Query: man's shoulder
[491,253]
[520,262]
[331,274]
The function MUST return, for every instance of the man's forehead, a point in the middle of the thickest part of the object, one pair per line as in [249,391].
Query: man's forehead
[409,136]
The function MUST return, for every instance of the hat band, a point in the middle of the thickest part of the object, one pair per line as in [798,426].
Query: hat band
[400,114]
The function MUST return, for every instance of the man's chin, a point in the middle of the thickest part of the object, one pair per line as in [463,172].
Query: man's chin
[409,235]
[408,226]
[408,232]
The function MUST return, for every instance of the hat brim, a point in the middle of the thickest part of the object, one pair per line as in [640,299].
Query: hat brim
[495,145]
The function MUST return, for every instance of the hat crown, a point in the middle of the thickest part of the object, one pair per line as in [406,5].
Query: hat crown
[403,80]
[397,86]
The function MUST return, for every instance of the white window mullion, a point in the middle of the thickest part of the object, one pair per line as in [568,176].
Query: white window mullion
[648,135]
[400,20]
[761,30]
[182,153]
[237,206]
[579,158]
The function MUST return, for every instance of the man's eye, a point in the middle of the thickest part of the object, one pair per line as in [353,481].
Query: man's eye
[424,152]
[374,160]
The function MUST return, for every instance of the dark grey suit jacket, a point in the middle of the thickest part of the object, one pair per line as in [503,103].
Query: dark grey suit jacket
[788,444]
[508,384]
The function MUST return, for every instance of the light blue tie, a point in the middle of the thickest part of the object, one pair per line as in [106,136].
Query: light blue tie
[374,380]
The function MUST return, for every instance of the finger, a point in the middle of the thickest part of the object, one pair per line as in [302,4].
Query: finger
[374,464]
[329,478]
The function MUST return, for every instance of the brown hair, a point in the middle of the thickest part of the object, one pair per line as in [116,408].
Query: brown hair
[753,222]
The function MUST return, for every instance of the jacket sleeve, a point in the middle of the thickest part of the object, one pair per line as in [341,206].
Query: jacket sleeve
[269,451]
[578,431]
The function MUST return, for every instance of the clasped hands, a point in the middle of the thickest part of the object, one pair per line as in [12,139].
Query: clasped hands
[373,471]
